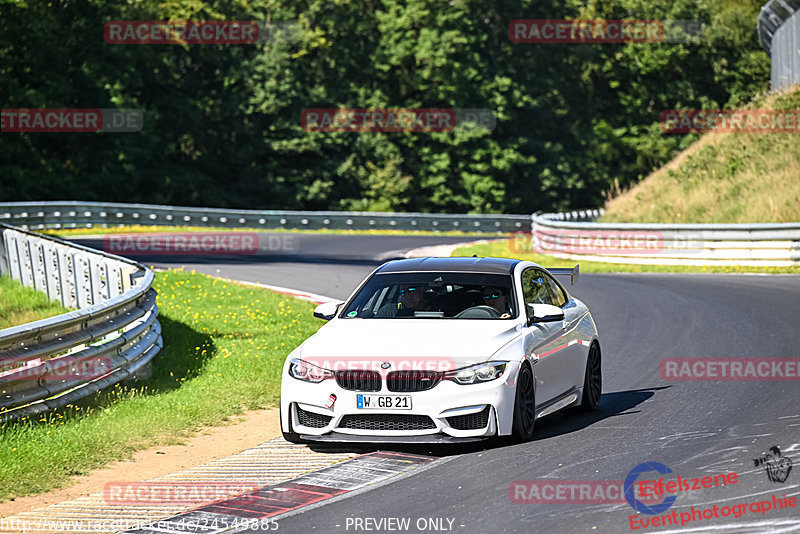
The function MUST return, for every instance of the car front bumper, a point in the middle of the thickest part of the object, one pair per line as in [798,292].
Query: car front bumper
[446,412]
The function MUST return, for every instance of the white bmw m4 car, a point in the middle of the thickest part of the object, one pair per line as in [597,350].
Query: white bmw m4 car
[440,350]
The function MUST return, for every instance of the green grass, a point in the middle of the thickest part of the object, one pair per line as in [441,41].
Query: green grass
[722,178]
[224,349]
[20,305]
[514,247]
[135,229]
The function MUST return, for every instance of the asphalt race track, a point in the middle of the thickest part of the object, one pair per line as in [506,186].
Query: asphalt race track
[330,265]
[696,428]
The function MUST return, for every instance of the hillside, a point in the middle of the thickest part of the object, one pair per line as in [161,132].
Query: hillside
[723,178]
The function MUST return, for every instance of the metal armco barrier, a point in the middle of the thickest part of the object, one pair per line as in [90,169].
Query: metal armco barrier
[39,215]
[574,236]
[779,33]
[111,336]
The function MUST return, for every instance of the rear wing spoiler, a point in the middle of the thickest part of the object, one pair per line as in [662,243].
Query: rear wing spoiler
[566,271]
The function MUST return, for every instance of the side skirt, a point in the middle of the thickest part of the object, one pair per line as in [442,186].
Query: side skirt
[562,401]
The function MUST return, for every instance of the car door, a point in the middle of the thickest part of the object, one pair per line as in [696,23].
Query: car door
[573,349]
[544,341]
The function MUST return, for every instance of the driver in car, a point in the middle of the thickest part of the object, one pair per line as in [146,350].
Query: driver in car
[412,298]
[496,298]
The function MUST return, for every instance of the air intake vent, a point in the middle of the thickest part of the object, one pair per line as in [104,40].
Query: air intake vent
[387,422]
[473,421]
[312,419]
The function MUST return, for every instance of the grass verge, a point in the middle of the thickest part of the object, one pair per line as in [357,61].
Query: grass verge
[512,248]
[138,229]
[225,345]
[20,304]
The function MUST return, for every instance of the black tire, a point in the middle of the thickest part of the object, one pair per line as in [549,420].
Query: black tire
[592,380]
[524,406]
[291,437]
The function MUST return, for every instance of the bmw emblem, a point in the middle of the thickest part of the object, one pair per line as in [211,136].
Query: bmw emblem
[385,365]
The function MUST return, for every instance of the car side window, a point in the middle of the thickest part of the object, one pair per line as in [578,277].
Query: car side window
[536,289]
[559,297]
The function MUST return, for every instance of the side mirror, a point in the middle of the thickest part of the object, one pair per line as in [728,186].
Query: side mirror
[545,313]
[327,310]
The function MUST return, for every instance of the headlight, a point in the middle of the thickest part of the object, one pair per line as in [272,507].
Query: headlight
[307,372]
[483,372]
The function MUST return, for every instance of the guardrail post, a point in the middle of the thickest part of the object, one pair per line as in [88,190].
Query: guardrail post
[25,267]
[4,267]
[83,290]
[114,281]
[37,266]
[69,295]
[95,281]
[12,247]
[127,276]
[51,272]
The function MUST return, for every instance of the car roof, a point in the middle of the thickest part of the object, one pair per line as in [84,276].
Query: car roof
[471,265]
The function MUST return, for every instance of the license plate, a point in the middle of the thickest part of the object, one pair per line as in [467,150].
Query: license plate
[384,402]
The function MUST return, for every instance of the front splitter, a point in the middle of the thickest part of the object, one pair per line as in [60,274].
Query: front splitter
[338,437]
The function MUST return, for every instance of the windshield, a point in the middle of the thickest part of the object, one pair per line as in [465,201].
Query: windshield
[434,295]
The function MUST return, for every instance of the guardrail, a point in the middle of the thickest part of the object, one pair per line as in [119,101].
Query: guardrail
[69,214]
[779,33]
[572,236]
[112,336]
